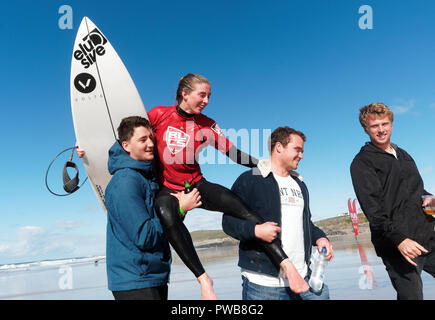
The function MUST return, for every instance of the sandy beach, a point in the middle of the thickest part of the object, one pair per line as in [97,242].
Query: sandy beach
[355,273]
[348,277]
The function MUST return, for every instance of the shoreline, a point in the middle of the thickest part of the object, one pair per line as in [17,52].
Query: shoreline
[221,246]
[338,230]
[339,237]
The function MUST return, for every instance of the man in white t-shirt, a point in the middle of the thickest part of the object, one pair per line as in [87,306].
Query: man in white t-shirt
[278,194]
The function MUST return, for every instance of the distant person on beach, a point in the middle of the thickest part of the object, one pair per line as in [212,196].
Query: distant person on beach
[279,195]
[138,256]
[389,189]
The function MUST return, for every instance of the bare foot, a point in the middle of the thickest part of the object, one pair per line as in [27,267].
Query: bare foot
[297,283]
[207,292]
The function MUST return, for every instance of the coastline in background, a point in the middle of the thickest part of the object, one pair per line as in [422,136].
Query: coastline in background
[349,276]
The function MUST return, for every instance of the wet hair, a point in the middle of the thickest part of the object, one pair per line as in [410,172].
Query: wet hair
[282,135]
[374,109]
[187,84]
[127,126]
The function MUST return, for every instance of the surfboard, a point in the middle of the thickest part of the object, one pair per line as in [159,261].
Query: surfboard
[102,94]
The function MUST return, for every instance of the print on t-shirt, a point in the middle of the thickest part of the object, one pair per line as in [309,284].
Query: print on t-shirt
[290,196]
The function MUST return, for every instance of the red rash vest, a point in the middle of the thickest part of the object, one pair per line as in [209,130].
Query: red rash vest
[179,140]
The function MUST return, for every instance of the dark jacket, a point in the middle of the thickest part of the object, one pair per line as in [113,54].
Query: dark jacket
[137,254]
[261,194]
[389,191]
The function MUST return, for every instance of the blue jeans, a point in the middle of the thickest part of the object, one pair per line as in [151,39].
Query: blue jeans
[252,291]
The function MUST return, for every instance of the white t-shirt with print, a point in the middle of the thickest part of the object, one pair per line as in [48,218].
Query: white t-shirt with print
[292,233]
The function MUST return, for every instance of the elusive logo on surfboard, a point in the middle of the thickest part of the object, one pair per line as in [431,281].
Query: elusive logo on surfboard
[92,45]
[85,82]
[176,140]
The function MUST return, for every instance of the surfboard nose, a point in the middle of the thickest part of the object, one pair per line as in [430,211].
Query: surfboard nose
[84,20]
[87,21]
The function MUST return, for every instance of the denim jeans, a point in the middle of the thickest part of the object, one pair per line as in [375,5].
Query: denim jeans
[252,291]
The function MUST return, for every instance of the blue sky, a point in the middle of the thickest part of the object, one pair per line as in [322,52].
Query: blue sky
[305,64]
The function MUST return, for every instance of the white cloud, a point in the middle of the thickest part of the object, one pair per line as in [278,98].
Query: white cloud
[33,243]
[93,208]
[404,106]
[426,170]
[68,225]
[28,232]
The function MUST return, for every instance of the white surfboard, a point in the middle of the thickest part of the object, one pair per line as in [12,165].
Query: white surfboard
[102,94]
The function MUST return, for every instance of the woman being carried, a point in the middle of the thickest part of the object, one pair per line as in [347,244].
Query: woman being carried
[180,132]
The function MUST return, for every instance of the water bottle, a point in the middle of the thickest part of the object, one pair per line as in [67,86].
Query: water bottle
[318,272]
[187,187]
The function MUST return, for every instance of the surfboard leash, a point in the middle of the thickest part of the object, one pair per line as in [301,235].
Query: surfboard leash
[69,185]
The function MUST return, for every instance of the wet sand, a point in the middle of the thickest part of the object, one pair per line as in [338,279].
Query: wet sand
[345,277]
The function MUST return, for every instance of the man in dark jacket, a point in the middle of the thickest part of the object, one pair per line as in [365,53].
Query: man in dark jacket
[138,257]
[389,189]
[278,194]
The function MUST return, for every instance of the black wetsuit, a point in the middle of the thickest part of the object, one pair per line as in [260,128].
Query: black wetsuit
[214,197]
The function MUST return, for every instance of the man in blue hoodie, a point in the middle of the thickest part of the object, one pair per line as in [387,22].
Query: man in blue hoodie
[138,256]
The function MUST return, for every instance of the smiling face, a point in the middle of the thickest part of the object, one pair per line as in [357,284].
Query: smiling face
[379,128]
[289,156]
[197,99]
[140,146]
[293,152]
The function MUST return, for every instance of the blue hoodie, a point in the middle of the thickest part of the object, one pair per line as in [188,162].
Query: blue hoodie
[137,254]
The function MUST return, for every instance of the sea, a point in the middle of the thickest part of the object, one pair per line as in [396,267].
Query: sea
[355,273]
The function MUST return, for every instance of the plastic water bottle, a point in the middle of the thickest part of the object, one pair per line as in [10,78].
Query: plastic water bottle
[318,272]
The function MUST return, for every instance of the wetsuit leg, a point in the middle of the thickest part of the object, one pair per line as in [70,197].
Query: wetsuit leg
[176,232]
[215,197]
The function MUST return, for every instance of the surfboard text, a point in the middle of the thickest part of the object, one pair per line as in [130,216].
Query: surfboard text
[92,45]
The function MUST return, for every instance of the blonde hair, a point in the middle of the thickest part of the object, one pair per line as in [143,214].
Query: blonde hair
[374,109]
[187,84]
